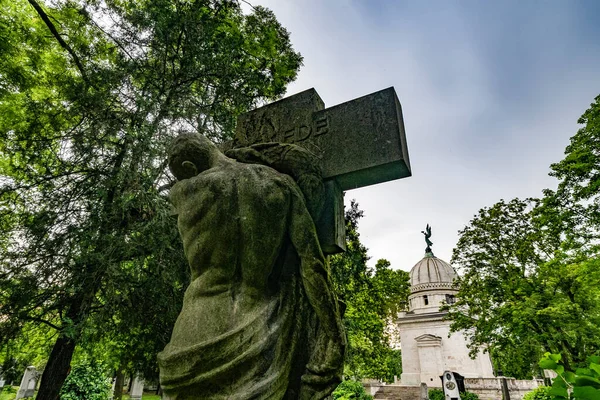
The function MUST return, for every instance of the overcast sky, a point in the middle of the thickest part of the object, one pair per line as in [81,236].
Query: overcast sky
[490,91]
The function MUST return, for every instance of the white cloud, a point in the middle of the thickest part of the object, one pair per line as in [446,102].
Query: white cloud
[490,98]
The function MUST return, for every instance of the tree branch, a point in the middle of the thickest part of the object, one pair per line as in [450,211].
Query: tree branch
[43,321]
[59,38]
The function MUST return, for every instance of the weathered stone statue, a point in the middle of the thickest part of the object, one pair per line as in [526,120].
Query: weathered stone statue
[259,319]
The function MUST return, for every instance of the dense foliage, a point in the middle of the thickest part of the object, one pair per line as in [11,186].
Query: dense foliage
[469,396]
[350,390]
[539,393]
[530,279]
[435,394]
[91,93]
[581,384]
[373,298]
[87,381]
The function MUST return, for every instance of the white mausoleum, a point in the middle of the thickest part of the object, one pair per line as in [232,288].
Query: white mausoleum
[427,351]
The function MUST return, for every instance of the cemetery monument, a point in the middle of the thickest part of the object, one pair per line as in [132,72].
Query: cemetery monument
[28,383]
[259,318]
[137,388]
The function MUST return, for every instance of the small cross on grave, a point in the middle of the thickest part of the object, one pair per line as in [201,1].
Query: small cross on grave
[359,143]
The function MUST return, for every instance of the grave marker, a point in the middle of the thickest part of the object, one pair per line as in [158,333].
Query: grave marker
[137,388]
[28,383]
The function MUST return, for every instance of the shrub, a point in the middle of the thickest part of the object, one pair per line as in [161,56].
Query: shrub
[350,390]
[469,396]
[436,394]
[87,381]
[540,393]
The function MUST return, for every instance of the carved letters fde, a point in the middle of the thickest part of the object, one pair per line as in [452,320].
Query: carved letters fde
[271,131]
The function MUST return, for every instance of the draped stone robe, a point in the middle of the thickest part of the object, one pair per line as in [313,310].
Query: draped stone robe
[258,316]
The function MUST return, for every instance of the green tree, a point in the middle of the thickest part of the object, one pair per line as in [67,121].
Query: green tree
[579,171]
[29,348]
[530,279]
[520,293]
[373,298]
[90,95]
[571,212]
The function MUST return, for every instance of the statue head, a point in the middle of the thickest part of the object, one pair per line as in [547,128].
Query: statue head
[191,154]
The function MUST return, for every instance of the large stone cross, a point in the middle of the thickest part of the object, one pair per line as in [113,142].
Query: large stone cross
[359,143]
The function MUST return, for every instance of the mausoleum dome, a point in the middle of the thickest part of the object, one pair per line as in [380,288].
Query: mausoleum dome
[431,273]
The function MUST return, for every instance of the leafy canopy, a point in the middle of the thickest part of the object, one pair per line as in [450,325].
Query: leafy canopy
[91,93]
[373,298]
[530,279]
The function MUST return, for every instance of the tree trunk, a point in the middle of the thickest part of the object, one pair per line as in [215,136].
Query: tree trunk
[57,369]
[118,392]
[59,363]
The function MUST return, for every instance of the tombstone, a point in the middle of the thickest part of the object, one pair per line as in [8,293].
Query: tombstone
[28,383]
[359,143]
[2,380]
[450,386]
[137,388]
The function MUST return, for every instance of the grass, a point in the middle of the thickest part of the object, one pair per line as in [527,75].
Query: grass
[5,395]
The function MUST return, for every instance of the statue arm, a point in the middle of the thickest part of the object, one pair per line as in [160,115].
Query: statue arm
[315,276]
[313,270]
[324,369]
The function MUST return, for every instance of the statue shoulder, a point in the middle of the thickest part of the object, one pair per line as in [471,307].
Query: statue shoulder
[201,182]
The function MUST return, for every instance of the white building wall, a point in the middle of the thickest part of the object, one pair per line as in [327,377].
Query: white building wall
[411,369]
[424,360]
[456,357]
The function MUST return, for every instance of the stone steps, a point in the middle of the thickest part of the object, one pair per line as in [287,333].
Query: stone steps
[399,392]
